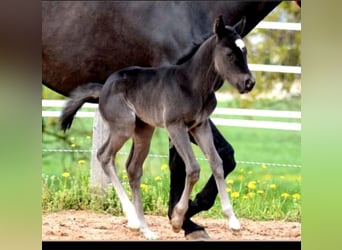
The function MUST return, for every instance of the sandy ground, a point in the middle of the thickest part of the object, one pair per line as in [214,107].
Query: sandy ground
[87,225]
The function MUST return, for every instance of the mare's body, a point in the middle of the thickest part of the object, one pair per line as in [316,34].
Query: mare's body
[86,41]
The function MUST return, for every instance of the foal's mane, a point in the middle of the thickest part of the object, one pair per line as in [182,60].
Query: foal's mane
[193,50]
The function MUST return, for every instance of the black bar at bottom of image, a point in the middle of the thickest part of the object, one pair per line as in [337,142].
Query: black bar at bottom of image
[172,245]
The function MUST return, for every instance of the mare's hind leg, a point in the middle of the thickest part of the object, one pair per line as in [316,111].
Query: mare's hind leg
[106,156]
[139,151]
[203,136]
[180,139]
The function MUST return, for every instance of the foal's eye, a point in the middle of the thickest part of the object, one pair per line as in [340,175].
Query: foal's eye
[230,56]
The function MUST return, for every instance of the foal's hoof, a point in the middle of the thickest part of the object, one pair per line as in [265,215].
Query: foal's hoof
[149,234]
[176,224]
[176,221]
[234,224]
[199,235]
[133,224]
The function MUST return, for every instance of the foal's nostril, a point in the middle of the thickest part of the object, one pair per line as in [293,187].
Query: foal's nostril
[250,83]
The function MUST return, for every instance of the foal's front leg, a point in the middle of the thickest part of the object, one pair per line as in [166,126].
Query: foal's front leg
[203,137]
[180,138]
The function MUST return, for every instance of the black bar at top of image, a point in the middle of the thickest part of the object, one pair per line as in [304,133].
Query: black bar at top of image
[171,245]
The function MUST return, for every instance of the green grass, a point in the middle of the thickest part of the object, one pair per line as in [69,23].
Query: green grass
[259,191]
[251,145]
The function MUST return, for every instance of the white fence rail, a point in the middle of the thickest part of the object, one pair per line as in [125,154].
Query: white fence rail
[287,26]
[250,123]
[279,25]
[296,126]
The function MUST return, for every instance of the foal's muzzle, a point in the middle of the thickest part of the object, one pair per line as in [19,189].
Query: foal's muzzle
[247,85]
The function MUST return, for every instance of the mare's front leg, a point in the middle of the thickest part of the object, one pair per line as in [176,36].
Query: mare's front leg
[203,136]
[180,139]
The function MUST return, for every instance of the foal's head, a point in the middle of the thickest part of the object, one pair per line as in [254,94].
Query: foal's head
[230,55]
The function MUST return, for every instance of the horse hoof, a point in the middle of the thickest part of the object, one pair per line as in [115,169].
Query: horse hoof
[176,224]
[200,235]
[134,225]
[150,235]
[176,221]
[234,224]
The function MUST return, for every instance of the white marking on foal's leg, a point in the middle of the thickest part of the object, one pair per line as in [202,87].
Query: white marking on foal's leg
[131,215]
[227,210]
[127,206]
[149,234]
[233,222]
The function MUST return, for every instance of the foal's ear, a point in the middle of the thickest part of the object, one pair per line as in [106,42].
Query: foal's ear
[240,26]
[219,26]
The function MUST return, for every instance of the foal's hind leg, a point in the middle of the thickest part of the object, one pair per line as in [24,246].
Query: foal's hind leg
[203,136]
[106,155]
[140,148]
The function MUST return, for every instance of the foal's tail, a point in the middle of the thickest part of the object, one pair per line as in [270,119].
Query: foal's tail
[85,93]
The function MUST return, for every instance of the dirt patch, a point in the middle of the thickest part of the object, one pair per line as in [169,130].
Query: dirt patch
[87,225]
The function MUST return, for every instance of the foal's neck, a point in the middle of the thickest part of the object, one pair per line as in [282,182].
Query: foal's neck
[201,70]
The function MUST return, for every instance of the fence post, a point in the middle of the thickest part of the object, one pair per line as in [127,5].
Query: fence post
[100,132]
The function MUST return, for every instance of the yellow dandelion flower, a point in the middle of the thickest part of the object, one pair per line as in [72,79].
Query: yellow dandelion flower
[73,145]
[88,137]
[235,195]
[229,190]
[285,195]
[251,194]
[230,182]
[296,196]
[125,177]
[242,170]
[252,185]
[240,177]
[267,177]
[273,186]
[72,138]
[144,186]
[66,174]
[250,172]
[260,191]
[157,178]
[263,166]
[81,162]
[164,167]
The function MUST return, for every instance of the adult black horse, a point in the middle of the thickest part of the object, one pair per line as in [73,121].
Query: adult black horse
[84,42]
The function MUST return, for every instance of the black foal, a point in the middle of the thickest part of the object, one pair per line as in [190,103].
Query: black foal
[179,98]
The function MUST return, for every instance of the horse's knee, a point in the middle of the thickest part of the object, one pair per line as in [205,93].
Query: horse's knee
[218,172]
[102,157]
[134,174]
[217,167]
[193,173]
